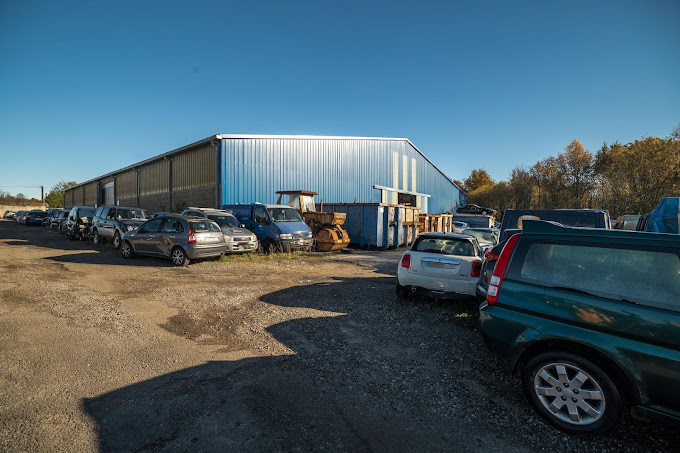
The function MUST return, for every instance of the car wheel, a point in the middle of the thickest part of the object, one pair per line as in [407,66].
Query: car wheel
[96,238]
[179,257]
[572,393]
[402,292]
[126,250]
[269,247]
[116,240]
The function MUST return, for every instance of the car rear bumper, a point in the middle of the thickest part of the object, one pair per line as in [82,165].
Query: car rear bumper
[440,286]
[206,251]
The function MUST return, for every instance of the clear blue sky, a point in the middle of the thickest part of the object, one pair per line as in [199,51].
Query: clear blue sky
[90,87]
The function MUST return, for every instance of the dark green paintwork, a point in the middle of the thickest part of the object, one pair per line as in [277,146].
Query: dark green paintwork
[642,341]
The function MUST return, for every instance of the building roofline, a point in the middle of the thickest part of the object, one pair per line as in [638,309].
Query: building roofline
[256,136]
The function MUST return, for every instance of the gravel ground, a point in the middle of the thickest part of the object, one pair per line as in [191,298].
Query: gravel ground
[302,353]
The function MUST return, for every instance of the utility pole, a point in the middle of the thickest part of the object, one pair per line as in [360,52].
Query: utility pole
[42,193]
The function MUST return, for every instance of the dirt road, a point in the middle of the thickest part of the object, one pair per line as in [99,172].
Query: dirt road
[307,354]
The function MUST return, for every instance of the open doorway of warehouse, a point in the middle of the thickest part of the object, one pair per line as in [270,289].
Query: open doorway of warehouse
[406,199]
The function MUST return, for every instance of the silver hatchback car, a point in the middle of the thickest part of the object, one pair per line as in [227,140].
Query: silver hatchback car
[177,237]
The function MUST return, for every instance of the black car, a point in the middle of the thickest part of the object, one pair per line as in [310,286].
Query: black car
[35,218]
[474,209]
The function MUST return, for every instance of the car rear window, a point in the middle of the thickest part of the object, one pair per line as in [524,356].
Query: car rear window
[642,275]
[89,213]
[225,220]
[448,246]
[204,226]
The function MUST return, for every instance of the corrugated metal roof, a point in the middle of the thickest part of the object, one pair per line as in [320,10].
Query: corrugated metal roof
[252,136]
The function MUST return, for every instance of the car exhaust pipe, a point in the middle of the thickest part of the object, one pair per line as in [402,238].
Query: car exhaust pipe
[413,289]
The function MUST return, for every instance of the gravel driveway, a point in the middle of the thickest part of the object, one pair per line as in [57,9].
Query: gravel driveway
[306,353]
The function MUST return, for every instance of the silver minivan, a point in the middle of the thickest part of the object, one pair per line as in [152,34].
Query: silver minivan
[177,237]
[238,238]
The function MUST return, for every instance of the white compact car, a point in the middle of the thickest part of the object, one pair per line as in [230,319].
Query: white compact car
[442,265]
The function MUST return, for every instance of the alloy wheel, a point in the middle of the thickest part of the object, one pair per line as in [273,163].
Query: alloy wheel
[569,393]
[126,250]
[178,257]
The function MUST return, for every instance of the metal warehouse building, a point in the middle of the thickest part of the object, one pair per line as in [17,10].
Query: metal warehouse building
[224,169]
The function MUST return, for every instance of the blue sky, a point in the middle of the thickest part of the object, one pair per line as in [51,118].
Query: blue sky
[90,87]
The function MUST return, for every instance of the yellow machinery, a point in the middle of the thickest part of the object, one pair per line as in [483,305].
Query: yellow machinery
[325,226]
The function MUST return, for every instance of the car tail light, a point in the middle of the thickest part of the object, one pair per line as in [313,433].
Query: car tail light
[406,261]
[476,268]
[491,256]
[192,238]
[499,270]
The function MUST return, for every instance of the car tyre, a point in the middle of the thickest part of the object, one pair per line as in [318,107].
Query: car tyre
[126,250]
[269,247]
[402,291]
[179,257]
[96,238]
[590,404]
[116,240]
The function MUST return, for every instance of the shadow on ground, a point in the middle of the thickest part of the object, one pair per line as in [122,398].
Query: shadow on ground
[387,375]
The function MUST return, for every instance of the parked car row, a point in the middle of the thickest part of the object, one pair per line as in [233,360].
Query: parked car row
[586,315]
[194,233]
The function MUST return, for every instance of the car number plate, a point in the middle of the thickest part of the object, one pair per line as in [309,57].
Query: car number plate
[211,239]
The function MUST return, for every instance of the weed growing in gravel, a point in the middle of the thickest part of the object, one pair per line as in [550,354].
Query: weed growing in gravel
[274,257]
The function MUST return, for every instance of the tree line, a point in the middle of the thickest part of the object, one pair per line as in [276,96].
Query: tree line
[19,199]
[54,198]
[622,178]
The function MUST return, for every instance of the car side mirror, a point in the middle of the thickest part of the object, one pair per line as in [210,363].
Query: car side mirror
[243,225]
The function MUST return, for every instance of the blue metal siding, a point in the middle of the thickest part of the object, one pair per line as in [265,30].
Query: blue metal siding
[340,170]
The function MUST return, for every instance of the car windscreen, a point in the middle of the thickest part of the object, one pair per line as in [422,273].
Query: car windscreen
[447,246]
[483,237]
[204,226]
[132,214]
[224,220]
[284,215]
[89,213]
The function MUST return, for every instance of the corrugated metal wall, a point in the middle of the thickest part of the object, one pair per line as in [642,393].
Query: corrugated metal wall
[340,170]
[153,178]
[195,168]
[126,185]
[90,194]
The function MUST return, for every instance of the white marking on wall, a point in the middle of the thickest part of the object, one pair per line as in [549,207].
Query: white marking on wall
[404,175]
[395,176]
[424,210]
[414,187]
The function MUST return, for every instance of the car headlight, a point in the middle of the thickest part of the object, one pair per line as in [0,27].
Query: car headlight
[253,238]
[309,234]
[130,227]
[228,238]
[286,236]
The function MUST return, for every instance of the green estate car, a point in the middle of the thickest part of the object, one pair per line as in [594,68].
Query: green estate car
[590,319]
